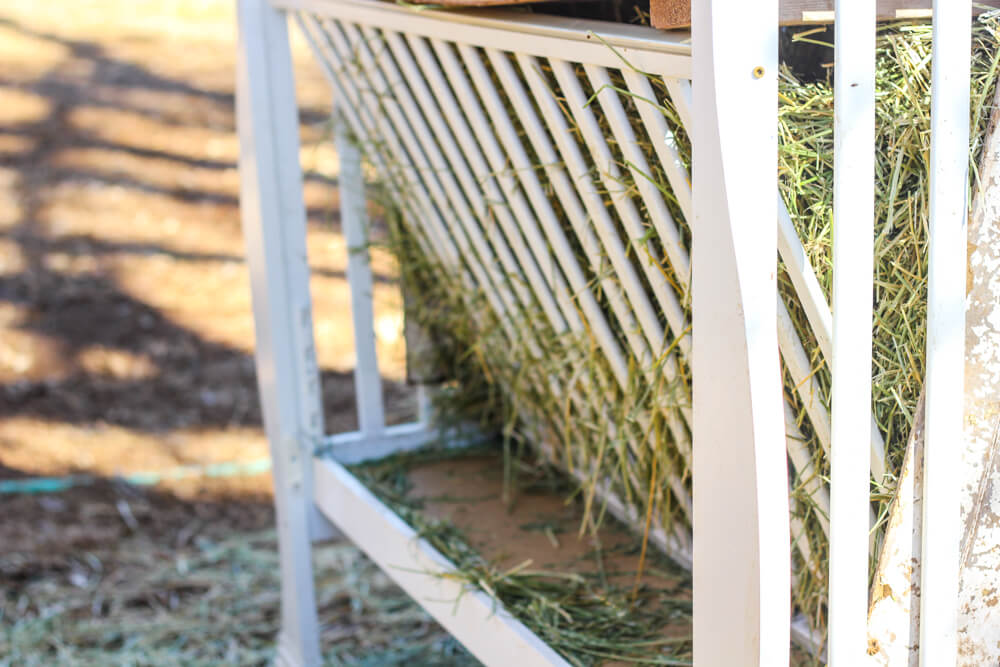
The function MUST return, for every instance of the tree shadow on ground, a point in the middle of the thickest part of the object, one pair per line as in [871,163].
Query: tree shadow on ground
[196,383]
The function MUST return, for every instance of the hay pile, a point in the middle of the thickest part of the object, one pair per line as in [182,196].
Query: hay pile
[595,612]
[556,389]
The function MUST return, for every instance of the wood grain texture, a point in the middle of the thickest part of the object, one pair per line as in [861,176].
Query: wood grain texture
[668,14]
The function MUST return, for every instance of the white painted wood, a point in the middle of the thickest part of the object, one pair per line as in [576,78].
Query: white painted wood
[549,223]
[358,446]
[377,126]
[663,140]
[950,91]
[274,225]
[512,154]
[474,618]
[894,612]
[566,191]
[807,287]
[525,257]
[979,615]
[820,318]
[611,178]
[853,276]
[354,223]
[512,249]
[602,241]
[642,175]
[680,92]
[436,178]
[597,42]
[741,530]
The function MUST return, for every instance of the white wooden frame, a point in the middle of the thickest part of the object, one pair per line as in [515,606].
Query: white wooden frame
[739,509]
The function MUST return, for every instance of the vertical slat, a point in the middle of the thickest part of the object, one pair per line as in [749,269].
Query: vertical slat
[354,222]
[811,297]
[853,275]
[741,530]
[950,90]
[274,227]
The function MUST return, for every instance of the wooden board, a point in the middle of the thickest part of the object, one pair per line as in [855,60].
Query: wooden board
[670,14]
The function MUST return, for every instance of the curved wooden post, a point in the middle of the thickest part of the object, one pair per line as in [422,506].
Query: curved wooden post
[741,521]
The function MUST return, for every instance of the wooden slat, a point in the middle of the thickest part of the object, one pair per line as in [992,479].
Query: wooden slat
[670,14]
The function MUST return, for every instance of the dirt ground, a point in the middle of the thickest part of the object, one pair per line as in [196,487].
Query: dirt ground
[126,345]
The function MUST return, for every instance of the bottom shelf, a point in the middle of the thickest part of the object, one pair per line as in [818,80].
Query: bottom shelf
[504,567]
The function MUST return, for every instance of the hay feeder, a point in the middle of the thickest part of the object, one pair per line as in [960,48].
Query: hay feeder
[544,165]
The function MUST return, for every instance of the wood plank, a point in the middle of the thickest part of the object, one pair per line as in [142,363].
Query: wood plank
[669,14]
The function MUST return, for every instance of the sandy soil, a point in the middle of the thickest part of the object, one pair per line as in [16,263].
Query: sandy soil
[126,336]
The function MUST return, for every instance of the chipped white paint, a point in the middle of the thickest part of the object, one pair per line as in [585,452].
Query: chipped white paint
[893,620]
[979,596]
[894,612]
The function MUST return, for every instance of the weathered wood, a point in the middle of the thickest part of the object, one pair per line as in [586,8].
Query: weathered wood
[894,614]
[893,628]
[979,611]
[670,14]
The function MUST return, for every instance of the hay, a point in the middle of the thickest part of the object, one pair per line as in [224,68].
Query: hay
[536,385]
[187,584]
[590,615]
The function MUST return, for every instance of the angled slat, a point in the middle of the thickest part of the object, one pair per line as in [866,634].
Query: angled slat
[437,176]
[438,239]
[642,174]
[612,178]
[662,137]
[358,49]
[608,240]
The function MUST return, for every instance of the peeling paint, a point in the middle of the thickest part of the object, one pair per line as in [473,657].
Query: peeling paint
[893,616]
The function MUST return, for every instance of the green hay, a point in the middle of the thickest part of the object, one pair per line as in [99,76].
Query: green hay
[540,387]
[144,601]
[589,618]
